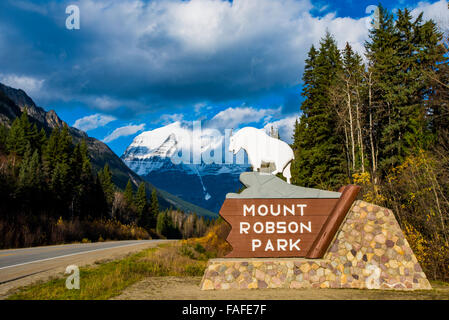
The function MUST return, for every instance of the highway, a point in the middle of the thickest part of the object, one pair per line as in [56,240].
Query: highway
[22,266]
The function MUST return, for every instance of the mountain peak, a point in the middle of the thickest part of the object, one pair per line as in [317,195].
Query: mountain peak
[204,184]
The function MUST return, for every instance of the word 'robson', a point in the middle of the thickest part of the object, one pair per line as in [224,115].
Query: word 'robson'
[270,227]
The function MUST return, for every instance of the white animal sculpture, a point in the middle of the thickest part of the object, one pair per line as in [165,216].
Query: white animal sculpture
[260,147]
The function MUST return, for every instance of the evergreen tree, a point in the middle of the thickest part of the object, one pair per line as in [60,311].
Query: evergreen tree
[347,94]
[162,223]
[381,70]
[83,182]
[154,207]
[437,75]
[100,206]
[400,55]
[320,154]
[50,153]
[140,202]
[166,227]
[129,194]
[105,177]
[3,137]
[64,148]
[16,140]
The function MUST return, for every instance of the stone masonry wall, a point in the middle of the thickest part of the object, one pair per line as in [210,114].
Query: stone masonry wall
[369,251]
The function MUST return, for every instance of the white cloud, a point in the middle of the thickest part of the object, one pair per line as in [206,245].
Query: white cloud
[199,106]
[437,11]
[163,54]
[236,117]
[30,85]
[170,118]
[124,131]
[284,126]
[93,121]
[29,6]
[203,50]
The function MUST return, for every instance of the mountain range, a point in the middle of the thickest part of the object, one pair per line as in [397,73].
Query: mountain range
[14,101]
[156,156]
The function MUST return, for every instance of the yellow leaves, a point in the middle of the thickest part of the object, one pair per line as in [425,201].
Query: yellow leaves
[417,242]
[428,252]
[363,178]
[370,192]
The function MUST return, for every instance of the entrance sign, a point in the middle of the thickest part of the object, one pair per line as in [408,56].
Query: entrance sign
[330,240]
[299,222]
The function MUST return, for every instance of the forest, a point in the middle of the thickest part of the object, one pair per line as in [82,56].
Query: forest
[381,121]
[49,194]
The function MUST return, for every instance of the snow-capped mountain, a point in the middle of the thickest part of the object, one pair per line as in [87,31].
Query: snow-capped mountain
[188,161]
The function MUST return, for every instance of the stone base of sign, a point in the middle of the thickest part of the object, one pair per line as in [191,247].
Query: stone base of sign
[369,251]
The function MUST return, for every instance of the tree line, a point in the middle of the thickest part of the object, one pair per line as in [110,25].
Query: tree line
[50,193]
[381,121]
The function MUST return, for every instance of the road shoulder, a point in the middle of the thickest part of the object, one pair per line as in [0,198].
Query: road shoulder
[43,271]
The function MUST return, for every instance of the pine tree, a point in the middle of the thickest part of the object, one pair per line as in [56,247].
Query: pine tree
[400,55]
[347,95]
[129,194]
[16,140]
[381,69]
[3,137]
[298,174]
[50,152]
[24,173]
[166,227]
[154,207]
[437,76]
[320,154]
[161,225]
[99,202]
[82,181]
[105,177]
[64,147]
[140,201]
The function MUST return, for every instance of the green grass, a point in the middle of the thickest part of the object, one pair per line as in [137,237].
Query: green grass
[106,280]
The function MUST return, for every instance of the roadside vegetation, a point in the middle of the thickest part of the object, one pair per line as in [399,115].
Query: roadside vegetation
[51,194]
[109,279]
[382,121]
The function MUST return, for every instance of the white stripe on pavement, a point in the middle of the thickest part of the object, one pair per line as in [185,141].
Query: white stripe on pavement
[71,254]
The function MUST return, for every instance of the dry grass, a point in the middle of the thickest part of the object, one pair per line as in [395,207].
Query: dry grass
[43,230]
[107,280]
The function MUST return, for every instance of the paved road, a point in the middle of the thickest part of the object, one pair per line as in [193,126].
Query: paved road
[19,264]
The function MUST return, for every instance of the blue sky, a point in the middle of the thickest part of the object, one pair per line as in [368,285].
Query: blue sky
[137,65]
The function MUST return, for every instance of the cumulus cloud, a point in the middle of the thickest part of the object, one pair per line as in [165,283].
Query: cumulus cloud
[236,117]
[153,55]
[124,131]
[93,121]
[437,11]
[284,126]
[30,85]
[169,53]
[170,118]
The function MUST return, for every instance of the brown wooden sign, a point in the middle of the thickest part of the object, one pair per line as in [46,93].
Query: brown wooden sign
[285,227]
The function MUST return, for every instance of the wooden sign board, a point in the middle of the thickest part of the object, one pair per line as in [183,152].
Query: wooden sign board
[285,227]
